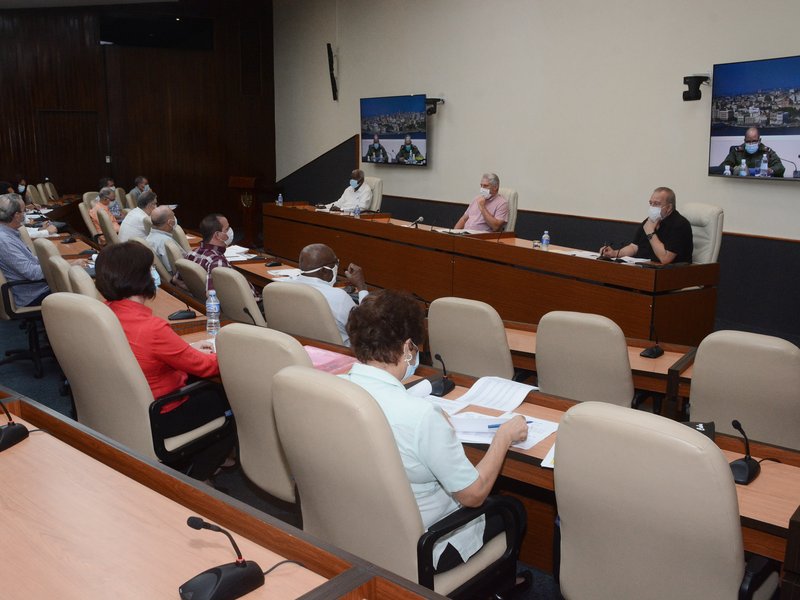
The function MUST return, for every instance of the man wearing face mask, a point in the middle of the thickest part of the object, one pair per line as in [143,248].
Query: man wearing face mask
[133,224]
[357,193]
[319,268]
[141,185]
[409,153]
[751,152]
[489,210]
[376,152]
[217,235]
[164,222]
[665,236]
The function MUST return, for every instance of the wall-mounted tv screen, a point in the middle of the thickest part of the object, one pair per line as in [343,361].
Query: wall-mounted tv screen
[394,130]
[755,115]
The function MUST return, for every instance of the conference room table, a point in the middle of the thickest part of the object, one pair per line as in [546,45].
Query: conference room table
[86,518]
[672,303]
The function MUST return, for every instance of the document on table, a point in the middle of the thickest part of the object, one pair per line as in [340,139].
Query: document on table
[423,390]
[475,428]
[498,393]
[285,273]
[237,253]
[549,460]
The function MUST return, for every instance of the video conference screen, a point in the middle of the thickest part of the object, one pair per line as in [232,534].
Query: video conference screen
[760,94]
[394,130]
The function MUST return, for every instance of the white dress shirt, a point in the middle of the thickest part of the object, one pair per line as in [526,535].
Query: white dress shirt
[350,198]
[340,301]
[133,225]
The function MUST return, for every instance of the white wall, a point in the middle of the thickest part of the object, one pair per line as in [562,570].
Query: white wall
[577,104]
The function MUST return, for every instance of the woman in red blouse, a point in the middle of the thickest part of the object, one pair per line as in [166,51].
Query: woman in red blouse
[167,361]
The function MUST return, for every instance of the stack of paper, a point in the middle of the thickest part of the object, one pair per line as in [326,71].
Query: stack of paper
[237,253]
[498,393]
[480,429]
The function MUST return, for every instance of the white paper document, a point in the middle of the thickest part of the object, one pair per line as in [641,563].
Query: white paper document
[285,273]
[480,429]
[498,393]
[549,460]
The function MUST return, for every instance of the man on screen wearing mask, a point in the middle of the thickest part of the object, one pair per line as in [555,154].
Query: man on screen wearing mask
[376,152]
[751,152]
[319,268]
[489,210]
[357,193]
[409,153]
[217,235]
[665,236]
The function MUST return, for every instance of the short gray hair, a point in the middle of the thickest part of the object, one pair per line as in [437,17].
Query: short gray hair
[108,192]
[494,180]
[9,206]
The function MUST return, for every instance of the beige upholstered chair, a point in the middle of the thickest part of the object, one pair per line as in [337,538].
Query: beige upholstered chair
[354,492]
[34,195]
[706,221]
[123,198]
[174,253]
[180,236]
[236,298]
[30,317]
[44,249]
[50,190]
[376,185]
[107,227]
[43,193]
[299,309]
[583,357]
[511,195]
[160,268]
[82,283]
[130,201]
[148,224]
[195,277]
[470,337]
[26,238]
[111,393]
[750,377]
[248,359]
[89,197]
[59,270]
[87,220]
[615,469]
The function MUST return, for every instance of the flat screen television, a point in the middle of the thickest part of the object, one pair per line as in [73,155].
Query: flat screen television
[764,94]
[394,130]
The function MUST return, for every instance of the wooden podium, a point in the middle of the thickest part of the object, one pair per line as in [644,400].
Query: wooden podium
[244,190]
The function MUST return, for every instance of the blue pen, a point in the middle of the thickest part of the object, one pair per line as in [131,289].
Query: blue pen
[496,425]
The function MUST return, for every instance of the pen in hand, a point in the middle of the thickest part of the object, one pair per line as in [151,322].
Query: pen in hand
[497,425]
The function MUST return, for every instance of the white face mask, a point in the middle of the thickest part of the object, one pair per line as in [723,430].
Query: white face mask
[229,239]
[485,192]
[334,270]
[21,188]
[654,214]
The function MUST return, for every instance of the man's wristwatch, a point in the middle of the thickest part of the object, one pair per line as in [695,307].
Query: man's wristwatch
[650,235]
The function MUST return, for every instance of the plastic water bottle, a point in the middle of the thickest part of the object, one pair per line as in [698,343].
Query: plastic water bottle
[727,170]
[764,171]
[546,240]
[279,201]
[357,212]
[212,314]
[743,169]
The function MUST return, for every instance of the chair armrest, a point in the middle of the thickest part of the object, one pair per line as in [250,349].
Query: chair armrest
[186,390]
[756,572]
[494,505]
[5,290]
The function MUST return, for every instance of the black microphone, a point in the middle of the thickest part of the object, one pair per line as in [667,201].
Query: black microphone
[12,433]
[443,385]
[225,582]
[416,223]
[744,469]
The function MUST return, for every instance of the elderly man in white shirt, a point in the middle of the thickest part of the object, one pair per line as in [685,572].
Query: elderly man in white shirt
[357,193]
[133,224]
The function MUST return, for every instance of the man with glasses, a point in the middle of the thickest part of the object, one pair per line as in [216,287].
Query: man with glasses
[17,262]
[133,224]
[751,152]
[319,267]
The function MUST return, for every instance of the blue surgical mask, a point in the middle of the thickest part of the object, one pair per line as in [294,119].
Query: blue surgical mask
[376,146]
[354,183]
[751,147]
[411,367]
[21,188]
[408,147]
[156,277]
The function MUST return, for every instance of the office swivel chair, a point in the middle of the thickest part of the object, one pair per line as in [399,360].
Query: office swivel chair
[29,317]
[355,494]
[236,299]
[59,270]
[648,509]
[299,309]
[195,277]
[44,250]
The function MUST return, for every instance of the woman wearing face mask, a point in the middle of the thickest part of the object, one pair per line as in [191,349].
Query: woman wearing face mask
[385,331]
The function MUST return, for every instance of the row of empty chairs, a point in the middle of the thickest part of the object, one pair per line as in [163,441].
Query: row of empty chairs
[42,193]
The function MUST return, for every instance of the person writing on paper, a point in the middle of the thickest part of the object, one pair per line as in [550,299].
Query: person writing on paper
[357,193]
[489,210]
[665,236]
[751,153]
[318,268]
[386,330]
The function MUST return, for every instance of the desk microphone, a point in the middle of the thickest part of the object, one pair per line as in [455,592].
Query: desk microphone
[12,433]
[445,385]
[416,223]
[225,582]
[744,469]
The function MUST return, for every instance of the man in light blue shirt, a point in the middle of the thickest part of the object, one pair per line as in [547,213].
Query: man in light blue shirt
[17,262]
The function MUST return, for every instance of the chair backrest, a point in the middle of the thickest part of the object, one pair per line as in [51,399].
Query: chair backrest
[111,393]
[3,314]
[249,357]
[174,252]
[583,357]
[299,309]
[50,190]
[122,198]
[43,193]
[706,221]
[345,461]
[160,268]
[34,195]
[470,336]
[235,297]
[44,249]
[26,238]
[511,195]
[130,201]
[195,277]
[87,220]
[148,224]
[108,228]
[179,235]
[59,269]
[376,185]
[750,377]
[82,283]
[649,484]
[89,197]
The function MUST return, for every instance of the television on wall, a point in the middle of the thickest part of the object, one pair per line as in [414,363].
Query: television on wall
[394,130]
[762,94]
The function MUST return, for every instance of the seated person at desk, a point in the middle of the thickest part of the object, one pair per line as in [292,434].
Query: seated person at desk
[386,330]
[319,267]
[20,186]
[357,193]
[104,198]
[489,210]
[115,207]
[17,262]
[665,236]
[41,229]
[140,186]
[376,152]
[133,223]
[164,222]
[409,153]
[124,278]
[751,153]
